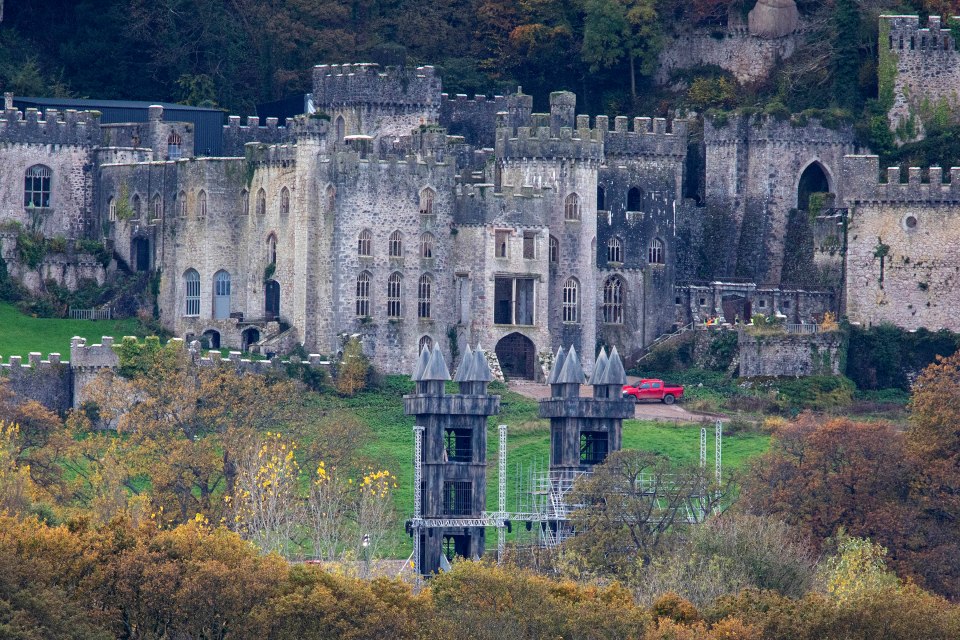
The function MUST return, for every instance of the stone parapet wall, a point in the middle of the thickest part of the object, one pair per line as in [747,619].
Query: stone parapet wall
[48,382]
[747,57]
[861,175]
[81,128]
[789,355]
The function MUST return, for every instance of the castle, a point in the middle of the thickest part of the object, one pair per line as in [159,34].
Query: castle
[410,218]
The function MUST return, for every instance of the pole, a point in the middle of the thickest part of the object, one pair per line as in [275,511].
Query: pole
[501,492]
[719,449]
[417,502]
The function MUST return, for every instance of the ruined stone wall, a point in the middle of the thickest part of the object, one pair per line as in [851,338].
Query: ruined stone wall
[789,354]
[753,170]
[747,57]
[919,72]
[903,256]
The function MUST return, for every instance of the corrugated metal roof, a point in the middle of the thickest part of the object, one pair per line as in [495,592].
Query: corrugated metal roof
[208,123]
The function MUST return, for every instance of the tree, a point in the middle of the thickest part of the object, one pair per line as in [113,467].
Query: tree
[617,30]
[353,370]
[629,505]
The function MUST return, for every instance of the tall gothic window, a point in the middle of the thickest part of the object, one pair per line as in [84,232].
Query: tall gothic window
[36,186]
[554,250]
[613,300]
[426,245]
[112,210]
[364,244]
[245,202]
[633,199]
[571,207]
[191,280]
[284,201]
[363,295]
[396,245]
[614,249]
[261,202]
[157,207]
[424,291]
[571,301]
[174,148]
[272,248]
[202,204]
[182,204]
[426,202]
[655,252]
[394,295]
[137,207]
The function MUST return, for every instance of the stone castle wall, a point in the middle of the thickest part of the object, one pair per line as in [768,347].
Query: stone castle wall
[903,257]
[789,355]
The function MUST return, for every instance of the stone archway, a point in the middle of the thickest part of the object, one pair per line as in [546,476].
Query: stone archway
[814,179]
[249,337]
[211,338]
[517,355]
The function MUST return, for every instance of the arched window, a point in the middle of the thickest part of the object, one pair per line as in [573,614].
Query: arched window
[394,295]
[426,342]
[554,250]
[426,245]
[112,210]
[363,295]
[601,199]
[614,249]
[331,198]
[182,204]
[395,245]
[245,202]
[191,280]
[36,186]
[571,207]
[571,301]
[284,201]
[426,202]
[365,244]
[202,204]
[261,202]
[633,199]
[221,295]
[137,207]
[613,300]
[157,207]
[655,252]
[272,248]
[341,129]
[174,150]
[424,289]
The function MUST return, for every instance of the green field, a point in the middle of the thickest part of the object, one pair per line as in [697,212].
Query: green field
[20,334]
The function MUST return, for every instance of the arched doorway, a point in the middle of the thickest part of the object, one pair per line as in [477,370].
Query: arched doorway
[812,180]
[221,295]
[517,355]
[271,303]
[211,339]
[249,337]
[140,254]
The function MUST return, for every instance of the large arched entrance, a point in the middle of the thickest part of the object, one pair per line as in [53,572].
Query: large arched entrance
[517,356]
[812,180]
[210,339]
[271,303]
[140,254]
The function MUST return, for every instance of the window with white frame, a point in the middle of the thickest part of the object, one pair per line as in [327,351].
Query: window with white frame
[655,252]
[363,295]
[613,300]
[191,280]
[395,295]
[395,245]
[36,186]
[365,244]
[426,245]
[571,301]
[614,249]
[424,291]
[112,210]
[174,146]
[571,207]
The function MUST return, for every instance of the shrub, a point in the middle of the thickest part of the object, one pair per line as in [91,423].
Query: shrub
[353,370]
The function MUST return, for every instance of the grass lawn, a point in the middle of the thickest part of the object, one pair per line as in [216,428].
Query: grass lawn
[20,334]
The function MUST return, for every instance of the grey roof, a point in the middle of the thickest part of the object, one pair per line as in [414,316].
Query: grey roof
[614,373]
[437,367]
[466,367]
[93,104]
[422,363]
[599,367]
[480,369]
[572,372]
[557,366]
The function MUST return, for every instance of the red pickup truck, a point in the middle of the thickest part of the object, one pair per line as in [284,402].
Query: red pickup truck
[651,389]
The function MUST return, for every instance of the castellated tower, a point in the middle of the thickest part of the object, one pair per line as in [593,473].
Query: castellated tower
[453,456]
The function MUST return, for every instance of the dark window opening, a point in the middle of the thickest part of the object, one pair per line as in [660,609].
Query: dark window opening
[812,180]
[457,498]
[601,199]
[593,447]
[513,301]
[456,546]
[458,444]
[557,447]
[633,199]
[500,238]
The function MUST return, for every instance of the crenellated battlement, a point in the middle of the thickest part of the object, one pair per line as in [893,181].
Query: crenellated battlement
[862,183]
[69,127]
[272,154]
[34,361]
[649,136]
[367,83]
[907,37]
[236,136]
[538,141]
[482,204]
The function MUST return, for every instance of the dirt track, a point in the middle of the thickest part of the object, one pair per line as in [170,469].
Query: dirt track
[643,411]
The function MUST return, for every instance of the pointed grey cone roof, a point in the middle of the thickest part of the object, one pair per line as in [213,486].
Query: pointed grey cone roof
[557,366]
[422,363]
[599,367]
[437,367]
[480,371]
[466,366]
[572,372]
[614,373]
